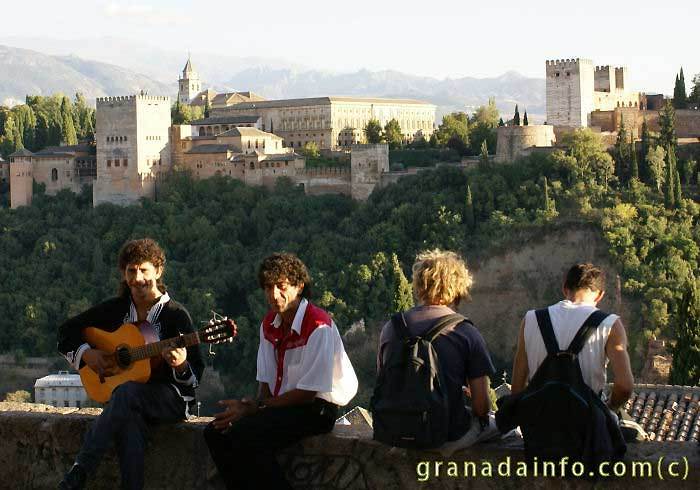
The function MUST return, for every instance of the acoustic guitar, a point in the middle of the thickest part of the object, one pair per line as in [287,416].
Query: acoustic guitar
[137,352]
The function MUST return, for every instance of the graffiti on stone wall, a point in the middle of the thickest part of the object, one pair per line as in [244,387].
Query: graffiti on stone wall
[325,471]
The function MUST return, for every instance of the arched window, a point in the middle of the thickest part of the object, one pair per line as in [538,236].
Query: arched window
[201,131]
[54,174]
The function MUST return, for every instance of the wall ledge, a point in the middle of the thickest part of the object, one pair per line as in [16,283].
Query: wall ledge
[40,442]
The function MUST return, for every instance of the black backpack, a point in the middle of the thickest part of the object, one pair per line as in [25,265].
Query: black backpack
[558,413]
[410,405]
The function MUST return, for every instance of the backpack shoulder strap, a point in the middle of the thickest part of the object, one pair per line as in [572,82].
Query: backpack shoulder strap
[589,326]
[443,323]
[398,321]
[544,321]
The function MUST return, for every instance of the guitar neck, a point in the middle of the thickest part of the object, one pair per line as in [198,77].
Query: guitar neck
[156,348]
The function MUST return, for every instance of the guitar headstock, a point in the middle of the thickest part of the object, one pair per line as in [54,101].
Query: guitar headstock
[218,331]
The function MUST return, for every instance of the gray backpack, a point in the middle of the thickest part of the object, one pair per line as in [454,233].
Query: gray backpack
[410,406]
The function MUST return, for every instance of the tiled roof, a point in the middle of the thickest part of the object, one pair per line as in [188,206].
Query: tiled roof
[22,153]
[226,120]
[666,412]
[213,149]
[245,131]
[312,101]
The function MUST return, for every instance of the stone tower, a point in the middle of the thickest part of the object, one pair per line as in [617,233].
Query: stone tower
[133,147]
[570,87]
[367,164]
[21,179]
[190,84]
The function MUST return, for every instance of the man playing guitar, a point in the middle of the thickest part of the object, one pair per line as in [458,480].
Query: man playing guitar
[169,393]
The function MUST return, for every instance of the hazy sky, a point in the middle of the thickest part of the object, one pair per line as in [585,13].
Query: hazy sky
[437,38]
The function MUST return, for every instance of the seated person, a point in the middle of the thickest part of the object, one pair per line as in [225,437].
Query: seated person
[304,375]
[440,282]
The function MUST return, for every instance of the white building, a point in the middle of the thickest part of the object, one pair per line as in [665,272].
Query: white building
[61,390]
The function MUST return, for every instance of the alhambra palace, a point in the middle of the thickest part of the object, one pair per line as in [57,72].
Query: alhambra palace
[257,141]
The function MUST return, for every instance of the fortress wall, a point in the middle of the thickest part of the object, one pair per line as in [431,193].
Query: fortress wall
[512,140]
[40,443]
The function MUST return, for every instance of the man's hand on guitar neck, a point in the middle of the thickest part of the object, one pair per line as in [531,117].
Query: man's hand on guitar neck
[103,363]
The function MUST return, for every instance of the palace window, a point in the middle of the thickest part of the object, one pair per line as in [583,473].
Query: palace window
[54,174]
[126,162]
[116,162]
[109,163]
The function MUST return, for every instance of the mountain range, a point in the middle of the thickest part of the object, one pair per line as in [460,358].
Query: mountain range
[124,67]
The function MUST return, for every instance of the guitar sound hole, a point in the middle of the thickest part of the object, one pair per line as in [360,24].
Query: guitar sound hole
[123,357]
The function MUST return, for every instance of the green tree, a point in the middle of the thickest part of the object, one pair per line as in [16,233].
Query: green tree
[402,292]
[207,108]
[525,121]
[687,170]
[695,90]
[670,184]
[19,396]
[677,191]
[634,165]
[454,126]
[311,150]
[373,131]
[685,367]
[645,146]
[500,122]
[588,161]
[487,115]
[680,99]
[392,134]
[516,116]
[621,151]
[656,160]
[469,210]
[667,127]
[68,130]
[484,155]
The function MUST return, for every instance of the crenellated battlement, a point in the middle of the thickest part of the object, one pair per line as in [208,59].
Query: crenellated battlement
[574,65]
[125,99]
[602,68]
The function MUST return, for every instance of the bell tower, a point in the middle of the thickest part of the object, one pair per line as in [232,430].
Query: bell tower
[190,85]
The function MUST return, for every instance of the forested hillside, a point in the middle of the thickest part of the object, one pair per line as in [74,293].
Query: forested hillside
[57,256]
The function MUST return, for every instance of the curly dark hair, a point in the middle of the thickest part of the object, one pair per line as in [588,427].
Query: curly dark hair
[285,266]
[138,252]
[585,275]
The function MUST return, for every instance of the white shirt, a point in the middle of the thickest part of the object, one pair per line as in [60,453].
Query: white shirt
[312,357]
[567,318]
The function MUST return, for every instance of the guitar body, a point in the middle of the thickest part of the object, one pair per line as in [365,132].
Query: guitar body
[131,335]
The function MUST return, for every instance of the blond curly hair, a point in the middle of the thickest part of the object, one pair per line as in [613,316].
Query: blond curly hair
[440,277]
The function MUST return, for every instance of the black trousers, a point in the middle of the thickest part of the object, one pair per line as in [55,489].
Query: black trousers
[245,454]
[124,421]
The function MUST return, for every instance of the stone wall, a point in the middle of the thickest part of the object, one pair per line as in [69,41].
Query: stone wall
[40,443]
[513,140]
[21,181]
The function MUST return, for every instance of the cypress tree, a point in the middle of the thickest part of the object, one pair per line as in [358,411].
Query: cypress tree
[621,150]
[207,108]
[669,184]
[469,211]
[680,98]
[516,116]
[685,367]
[667,126]
[525,122]
[634,165]
[67,129]
[547,204]
[677,191]
[645,146]
[402,293]
[500,122]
